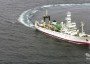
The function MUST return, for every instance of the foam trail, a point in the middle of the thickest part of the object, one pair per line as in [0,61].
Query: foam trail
[26,17]
[47,6]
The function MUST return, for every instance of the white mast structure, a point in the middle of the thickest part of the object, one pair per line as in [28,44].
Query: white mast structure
[82,25]
[68,18]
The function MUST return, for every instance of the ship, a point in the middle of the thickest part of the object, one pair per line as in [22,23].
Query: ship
[66,31]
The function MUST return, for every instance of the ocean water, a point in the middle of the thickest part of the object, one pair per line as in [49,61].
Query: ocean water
[20,43]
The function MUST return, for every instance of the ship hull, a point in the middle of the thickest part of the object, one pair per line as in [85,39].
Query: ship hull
[65,37]
[70,41]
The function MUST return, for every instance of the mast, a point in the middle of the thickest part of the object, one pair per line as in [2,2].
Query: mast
[46,17]
[68,18]
[82,25]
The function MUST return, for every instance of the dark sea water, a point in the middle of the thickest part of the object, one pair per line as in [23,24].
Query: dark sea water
[20,44]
